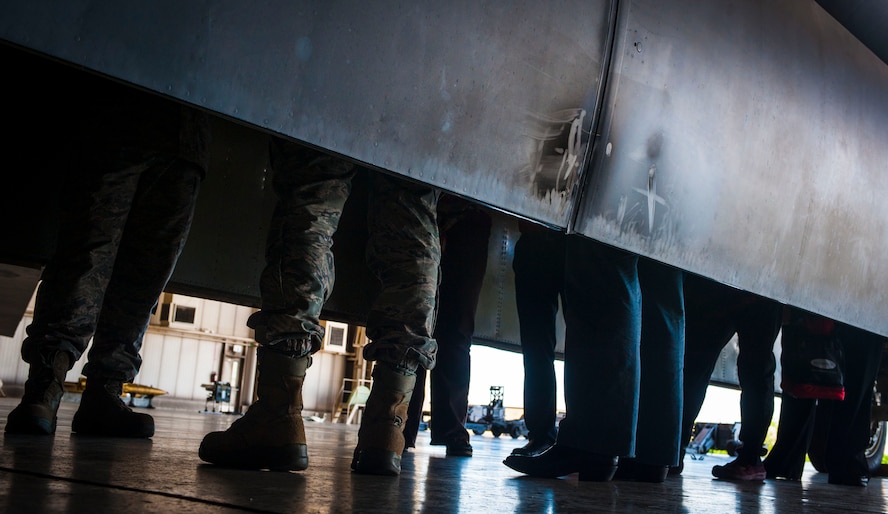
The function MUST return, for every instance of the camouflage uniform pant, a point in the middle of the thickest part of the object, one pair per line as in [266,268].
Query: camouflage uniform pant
[403,251]
[124,222]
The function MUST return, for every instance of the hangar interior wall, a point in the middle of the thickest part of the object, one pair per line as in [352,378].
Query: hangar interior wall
[179,358]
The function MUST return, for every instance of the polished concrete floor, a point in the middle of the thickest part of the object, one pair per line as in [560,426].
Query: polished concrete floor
[67,473]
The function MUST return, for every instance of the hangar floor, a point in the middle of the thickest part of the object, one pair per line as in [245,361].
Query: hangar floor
[77,474]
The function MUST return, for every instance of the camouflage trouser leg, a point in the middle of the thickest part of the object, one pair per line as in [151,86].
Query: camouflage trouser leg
[155,233]
[312,188]
[93,215]
[404,252]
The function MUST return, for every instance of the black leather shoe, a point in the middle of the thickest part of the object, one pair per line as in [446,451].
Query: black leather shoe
[533,447]
[458,448]
[676,470]
[631,469]
[848,479]
[558,461]
[772,473]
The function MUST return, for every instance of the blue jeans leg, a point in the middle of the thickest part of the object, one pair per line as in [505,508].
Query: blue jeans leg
[602,365]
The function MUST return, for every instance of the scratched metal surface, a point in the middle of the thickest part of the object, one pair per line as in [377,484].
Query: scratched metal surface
[763,122]
[486,99]
[865,19]
[747,142]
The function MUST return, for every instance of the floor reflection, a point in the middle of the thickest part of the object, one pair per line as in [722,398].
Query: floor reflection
[67,473]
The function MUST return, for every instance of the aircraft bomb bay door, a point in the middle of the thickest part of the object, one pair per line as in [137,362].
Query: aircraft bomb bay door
[491,100]
[745,141]
[748,142]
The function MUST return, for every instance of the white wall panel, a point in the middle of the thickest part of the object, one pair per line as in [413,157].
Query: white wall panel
[227,319]
[169,364]
[152,351]
[208,354]
[187,382]
[322,382]
[179,361]
[13,369]
[209,315]
[240,322]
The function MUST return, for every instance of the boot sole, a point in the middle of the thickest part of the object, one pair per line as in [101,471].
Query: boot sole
[279,458]
[134,434]
[88,428]
[544,467]
[375,461]
[30,426]
[31,420]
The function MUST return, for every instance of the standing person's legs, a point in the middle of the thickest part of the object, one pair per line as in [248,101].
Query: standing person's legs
[404,252]
[72,290]
[155,233]
[463,265]
[601,367]
[312,188]
[662,361]
[758,322]
[709,325]
[757,329]
[602,362]
[794,430]
[73,285]
[539,283]
[849,428]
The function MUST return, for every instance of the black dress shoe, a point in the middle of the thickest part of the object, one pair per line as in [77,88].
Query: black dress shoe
[676,470]
[772,472]
[558,461]
[848,479]
[533,447]
[782,476]
[457,448]
[631,469]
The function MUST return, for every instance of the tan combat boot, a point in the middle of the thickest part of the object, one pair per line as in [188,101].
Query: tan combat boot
[36,414]
[381,436]
[271,435]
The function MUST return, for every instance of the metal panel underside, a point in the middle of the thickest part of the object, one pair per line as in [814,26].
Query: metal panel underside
[223,257]
[489,100]
[746,141]
[866,19]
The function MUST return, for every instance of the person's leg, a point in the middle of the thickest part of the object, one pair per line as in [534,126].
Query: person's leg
[794,430]
[155,233]
[602,362]
[757,329]
[463,265]
[662,360]
[93,214]
[73,285]
[709,326]
[758,322]
[849,428]
[404,252]
[312,188]
[601,367]
[154,236]
[539,283]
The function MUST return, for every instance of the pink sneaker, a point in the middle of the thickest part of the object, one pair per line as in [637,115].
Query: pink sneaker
[734,470]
